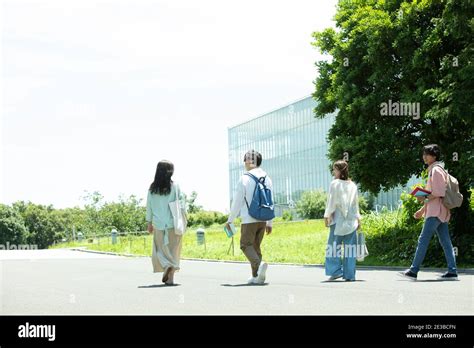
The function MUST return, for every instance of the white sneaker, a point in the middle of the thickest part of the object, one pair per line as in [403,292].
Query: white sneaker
[252,280]
[262,269]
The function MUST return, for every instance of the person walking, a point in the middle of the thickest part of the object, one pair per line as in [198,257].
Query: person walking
[436,216]
[167,244]
[252,229]
[343,218]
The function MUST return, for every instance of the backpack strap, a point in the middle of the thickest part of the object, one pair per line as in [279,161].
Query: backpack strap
[252,176]
[257,181]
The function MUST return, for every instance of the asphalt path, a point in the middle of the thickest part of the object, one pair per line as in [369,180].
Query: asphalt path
[62,281]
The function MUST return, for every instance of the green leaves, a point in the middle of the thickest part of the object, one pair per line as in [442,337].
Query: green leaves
[312,204]
[407,52]
[12,226]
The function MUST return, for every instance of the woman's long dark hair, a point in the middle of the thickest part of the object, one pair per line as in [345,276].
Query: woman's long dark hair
[162,182]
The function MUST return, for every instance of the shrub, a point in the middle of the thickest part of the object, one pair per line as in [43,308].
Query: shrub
[126,215]
[312,204]
[41,226]
[12,226]
[220,218]
[287,215]
[363,204]
[191,219]
[206,218]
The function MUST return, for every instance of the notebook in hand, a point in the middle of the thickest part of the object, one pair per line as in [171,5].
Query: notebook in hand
[230,232]
[420,192]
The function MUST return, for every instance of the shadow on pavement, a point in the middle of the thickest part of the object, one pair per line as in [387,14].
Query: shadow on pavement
[427,280]
[342,281]
[245,284]
[157,286]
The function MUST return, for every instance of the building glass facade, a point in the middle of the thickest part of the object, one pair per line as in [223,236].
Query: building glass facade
[293,144]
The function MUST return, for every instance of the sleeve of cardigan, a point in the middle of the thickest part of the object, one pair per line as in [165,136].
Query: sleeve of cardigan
[357,211]
[331,202]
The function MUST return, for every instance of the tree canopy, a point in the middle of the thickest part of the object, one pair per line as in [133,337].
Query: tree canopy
[407,55]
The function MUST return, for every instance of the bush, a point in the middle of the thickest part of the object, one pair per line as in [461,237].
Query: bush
[191,219]
[220,218]
[363,205]
[41,226]
[126,216]
[12,226]
[206,218]
[312,204]
[287,215]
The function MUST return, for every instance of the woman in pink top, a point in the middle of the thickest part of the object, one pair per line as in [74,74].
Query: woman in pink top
[436,216]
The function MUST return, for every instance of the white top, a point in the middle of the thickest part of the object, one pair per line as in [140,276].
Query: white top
[245,188]
[343,206]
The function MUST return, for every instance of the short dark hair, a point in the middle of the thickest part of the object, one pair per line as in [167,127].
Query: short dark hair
[433,150]
[343,168]
[255,156]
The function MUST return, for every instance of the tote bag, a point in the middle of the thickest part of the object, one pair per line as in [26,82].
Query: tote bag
[362,251]
[179,218]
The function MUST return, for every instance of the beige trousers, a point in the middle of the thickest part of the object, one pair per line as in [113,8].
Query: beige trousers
[251,236]
[166,250]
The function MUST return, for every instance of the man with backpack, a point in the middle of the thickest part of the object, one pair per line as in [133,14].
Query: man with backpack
[444,196]
[253,199]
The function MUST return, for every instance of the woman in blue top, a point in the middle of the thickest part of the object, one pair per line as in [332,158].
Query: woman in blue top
[166,243]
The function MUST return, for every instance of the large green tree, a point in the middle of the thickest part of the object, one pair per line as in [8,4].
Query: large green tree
[394,51]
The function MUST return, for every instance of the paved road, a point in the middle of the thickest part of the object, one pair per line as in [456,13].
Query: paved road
[75,282]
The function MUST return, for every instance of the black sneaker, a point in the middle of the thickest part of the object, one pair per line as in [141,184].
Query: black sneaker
[448,276]
[408,274]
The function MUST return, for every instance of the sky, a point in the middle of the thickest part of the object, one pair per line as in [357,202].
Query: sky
[95,93]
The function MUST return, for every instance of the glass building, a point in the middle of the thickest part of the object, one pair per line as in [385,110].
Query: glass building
[293,144]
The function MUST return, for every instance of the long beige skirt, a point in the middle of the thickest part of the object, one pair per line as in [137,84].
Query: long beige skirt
[166,249]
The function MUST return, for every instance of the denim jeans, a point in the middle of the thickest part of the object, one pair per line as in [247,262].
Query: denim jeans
[432,225]
[334,265]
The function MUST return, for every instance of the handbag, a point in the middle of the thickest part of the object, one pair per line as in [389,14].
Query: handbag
[362,251]
[179,217]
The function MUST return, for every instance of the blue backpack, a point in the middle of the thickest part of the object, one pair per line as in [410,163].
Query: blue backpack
[261,207]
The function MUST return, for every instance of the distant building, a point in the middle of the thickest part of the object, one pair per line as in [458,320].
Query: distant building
[294,145]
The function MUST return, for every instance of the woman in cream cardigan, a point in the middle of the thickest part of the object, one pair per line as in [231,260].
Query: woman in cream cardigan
[166,251]
[343,218]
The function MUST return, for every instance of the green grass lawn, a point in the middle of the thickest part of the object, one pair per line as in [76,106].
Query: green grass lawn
[292,242]
[302,242]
